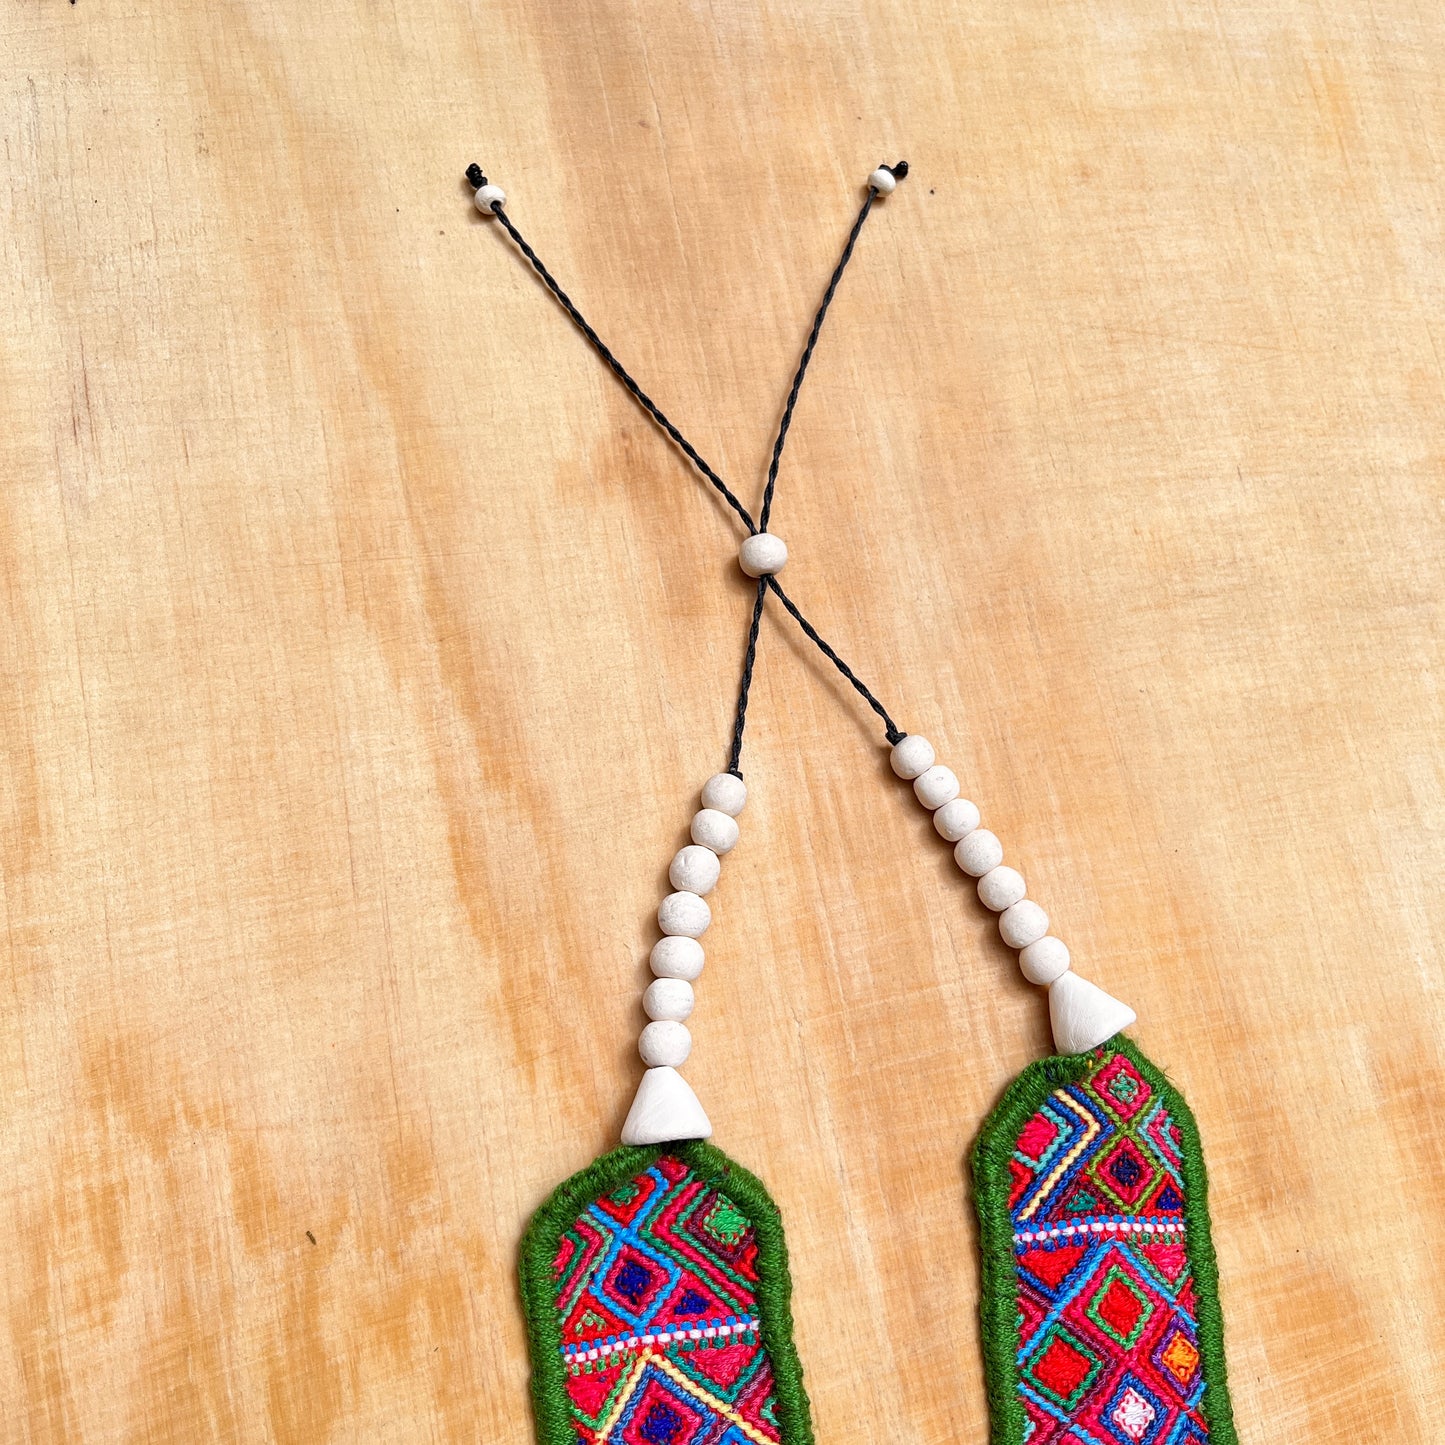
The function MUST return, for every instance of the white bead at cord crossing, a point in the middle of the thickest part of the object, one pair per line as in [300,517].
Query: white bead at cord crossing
[676,956]
[695,869]
[665,1043]
[979,853]
[489,198]
[726,792]
[912,756]
[956,820]
[685,913]
[883,181]
[1043,961]
[1001,888]
[668,998]
[714,830]
[763,555]
[1022,923]
[936,787]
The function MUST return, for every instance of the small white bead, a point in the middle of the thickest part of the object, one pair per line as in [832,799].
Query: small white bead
[684,913]
[763,555]
[956,820]
[936,787]
[912,756]
[883,181]
[1022,923]
[1001,888]
[979,853]
[665,1043]
[726,792]
[714,830]
[676,956]
[1044,960]
[694,869]
[668,998]
[488,198]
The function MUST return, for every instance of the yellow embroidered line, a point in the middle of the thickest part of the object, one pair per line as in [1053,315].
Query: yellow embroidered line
[623,1396]
[1091,1132]
[726,1411]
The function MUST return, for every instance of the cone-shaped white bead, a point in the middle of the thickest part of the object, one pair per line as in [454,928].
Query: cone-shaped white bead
[665,1109]
[1083,1016]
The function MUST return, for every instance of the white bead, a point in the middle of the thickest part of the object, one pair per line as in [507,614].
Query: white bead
[695,869]
[1022,923]
[763,555]
[956,820]
[912,756]
[664,1043]
[1082,1015]
[936,787]
[979,853]
[685,913]
[488,198]
[668,998]
[665,1110]
[1001,888]
[1044,960]
[726,792]
[676,956]
[714,830]
[883,181]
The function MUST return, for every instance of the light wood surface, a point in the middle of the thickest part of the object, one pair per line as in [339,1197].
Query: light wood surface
[363,649]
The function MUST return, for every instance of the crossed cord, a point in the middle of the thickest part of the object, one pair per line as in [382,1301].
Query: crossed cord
[767,582]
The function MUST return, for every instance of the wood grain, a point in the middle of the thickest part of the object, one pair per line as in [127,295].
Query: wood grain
[363,650]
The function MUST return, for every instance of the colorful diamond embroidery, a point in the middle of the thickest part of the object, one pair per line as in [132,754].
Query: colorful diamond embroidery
[656,1290]
[1107,1332]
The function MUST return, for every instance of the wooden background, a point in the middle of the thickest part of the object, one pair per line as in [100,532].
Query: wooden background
[363,650]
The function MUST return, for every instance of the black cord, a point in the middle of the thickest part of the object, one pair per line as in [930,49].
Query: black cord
[891,730]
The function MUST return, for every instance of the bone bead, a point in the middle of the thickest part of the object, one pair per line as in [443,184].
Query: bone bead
[694,869]
[1022,923]
[1044,960]
[956,820]
[978,853]
[715,830]
[1082,1015]
[726,792]
[1001,888]
[936,786]
[668,998]
[665,1110]
[664,1042]
[685,913]
[676,956]
[912,756]
[763,555]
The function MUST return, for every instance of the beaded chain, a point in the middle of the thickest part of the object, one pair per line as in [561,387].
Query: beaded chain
[666,1109]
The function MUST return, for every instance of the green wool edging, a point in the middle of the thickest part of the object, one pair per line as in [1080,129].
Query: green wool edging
[999,1305]
[774,1291]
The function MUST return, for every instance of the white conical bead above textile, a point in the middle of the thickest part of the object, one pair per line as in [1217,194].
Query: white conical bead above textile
[665,1110]
[1083,1016]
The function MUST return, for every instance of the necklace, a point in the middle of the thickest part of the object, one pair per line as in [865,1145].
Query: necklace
[656,1280]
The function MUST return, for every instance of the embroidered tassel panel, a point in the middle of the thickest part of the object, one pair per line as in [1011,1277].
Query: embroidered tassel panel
[658,1306]
[1101,1313]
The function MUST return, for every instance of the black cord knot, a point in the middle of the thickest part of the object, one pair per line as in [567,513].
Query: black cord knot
[898,171]
[475,176]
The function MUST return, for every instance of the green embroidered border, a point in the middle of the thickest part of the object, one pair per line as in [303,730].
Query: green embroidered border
[774,1292]
[999,1306]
